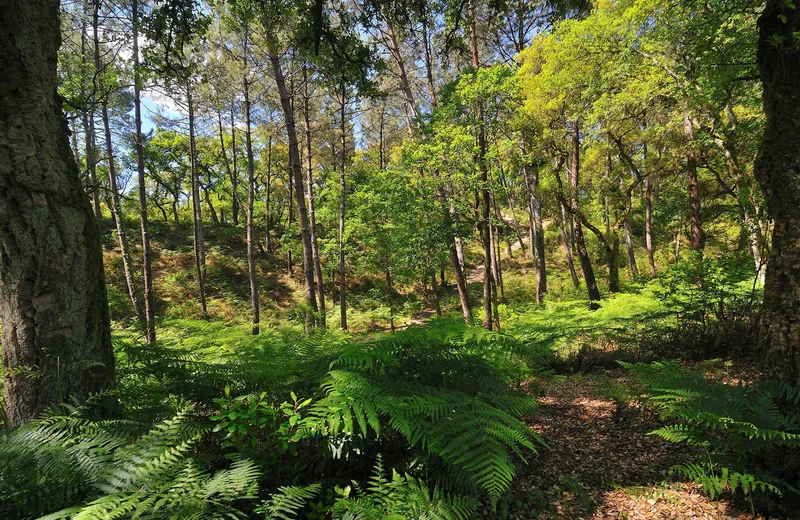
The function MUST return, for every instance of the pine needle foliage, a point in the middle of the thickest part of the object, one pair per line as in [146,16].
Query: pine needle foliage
[72,467]
[736,428]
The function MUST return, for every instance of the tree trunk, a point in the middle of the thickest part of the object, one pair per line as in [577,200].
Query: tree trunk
[267,220]
[147,270]
[342,200]
[251,182]
[580,243]
[648,225]
[777,169]
[56,335]
[631,254]
[235,205]
[697,239]
[312,219]
[437,305]
[567,250]
[197,215]
[485,221]
[91,162]
[296,177]
[537,231]
[116,211]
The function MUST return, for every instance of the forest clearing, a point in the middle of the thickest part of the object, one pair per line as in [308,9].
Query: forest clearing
[385,260]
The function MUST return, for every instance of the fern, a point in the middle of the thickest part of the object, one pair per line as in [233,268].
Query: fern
[399,498]
[101,470]
[735,426]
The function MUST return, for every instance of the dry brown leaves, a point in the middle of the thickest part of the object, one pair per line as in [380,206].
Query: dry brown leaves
[601,464]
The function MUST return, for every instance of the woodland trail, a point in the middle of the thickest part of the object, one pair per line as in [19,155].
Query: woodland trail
[601,464]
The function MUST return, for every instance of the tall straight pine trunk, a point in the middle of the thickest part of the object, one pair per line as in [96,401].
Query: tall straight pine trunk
[297,180]
[251,240]
[147,254]
[116,210]
[197,214]
[56,338]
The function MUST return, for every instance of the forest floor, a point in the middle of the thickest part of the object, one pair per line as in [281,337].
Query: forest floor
[600,462]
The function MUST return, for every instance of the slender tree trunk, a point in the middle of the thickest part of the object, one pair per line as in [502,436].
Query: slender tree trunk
[116,211]
[56,334]
[297,178]
[648,225]
[428,60]
[91,162]
[231,176]
[631,254]
[251,182]
[437,305]
[537,231]
[289,262]
[567,249]
[777,169]
[235,204]
[312,219]
[405,85]
[147,270]
[580,243]
[485,189]
[697,238]
[342,201]
[197,215]
[211,209]
[267,220]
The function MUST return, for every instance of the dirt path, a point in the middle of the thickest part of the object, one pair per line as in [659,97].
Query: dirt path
[602,465]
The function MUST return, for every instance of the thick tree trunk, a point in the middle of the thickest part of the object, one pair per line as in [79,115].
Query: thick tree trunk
[147,254]
[697,241]
[116,210]
[777,169]
[296,178]
[312,218]
[56,335]
[197,215]
[251,182]
[648,225]
[580,243]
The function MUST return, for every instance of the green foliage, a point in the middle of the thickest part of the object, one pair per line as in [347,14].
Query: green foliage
[738,429]
[76,468]
[402,497]
[260,431]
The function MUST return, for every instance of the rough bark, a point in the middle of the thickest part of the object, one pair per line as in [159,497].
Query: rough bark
[147,254]
[777,169]
[56,336]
